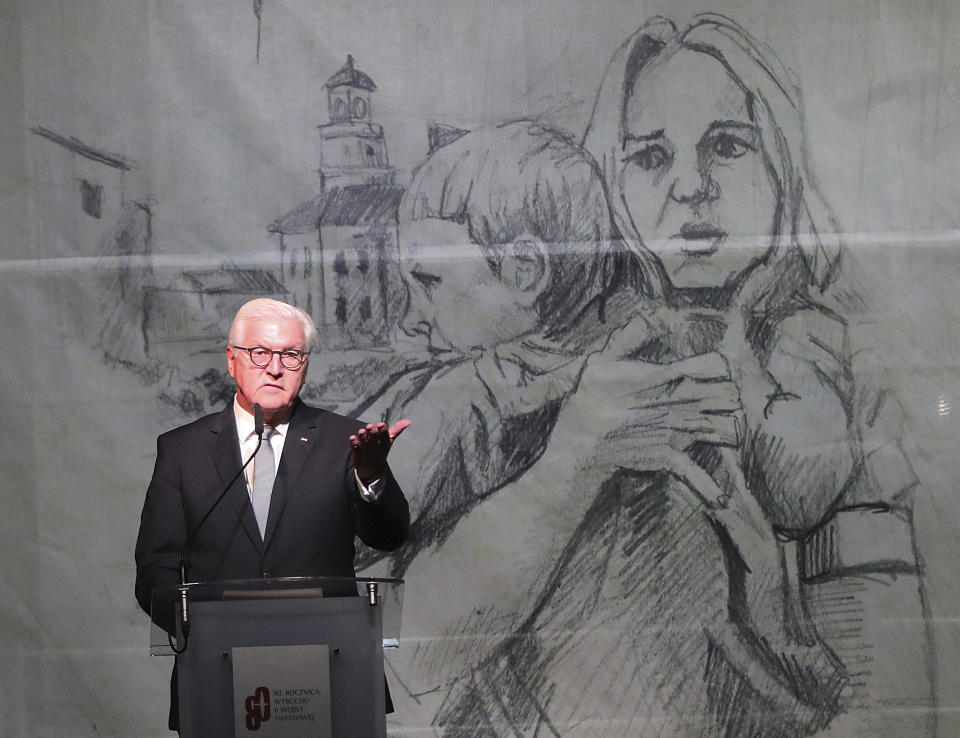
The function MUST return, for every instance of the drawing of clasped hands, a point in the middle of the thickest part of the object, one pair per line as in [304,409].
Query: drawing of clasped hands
[668,417]
[683,418]
[645,416]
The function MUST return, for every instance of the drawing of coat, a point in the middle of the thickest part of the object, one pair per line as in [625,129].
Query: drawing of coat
[632,638]
[637,630]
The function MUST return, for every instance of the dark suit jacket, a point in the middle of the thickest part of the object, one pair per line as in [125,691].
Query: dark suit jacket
[315,511]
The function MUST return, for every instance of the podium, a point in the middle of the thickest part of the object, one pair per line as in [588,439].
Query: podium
[298,656]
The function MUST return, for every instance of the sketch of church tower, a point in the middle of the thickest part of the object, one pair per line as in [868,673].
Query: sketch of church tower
[352,148]
[337,250]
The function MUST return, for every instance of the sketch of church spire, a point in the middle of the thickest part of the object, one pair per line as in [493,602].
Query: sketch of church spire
[352,147]
[350,76]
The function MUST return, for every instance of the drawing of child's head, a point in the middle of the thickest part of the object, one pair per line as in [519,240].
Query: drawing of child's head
[699,133]
[502,232]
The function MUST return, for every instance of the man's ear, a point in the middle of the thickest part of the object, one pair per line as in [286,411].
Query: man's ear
[231,360]
[526,267]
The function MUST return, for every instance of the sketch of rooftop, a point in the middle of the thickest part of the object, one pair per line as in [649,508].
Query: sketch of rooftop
[117,161]
[441,134]
[350,76]
[351,205]
[231,280]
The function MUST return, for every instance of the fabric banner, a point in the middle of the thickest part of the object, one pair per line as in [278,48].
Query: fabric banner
[666,289]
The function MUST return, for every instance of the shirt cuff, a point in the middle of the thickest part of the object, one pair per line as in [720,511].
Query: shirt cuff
[369,492]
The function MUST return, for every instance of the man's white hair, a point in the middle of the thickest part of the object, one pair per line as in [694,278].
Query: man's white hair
[265,308]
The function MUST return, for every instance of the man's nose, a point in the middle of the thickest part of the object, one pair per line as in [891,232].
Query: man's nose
[274,366]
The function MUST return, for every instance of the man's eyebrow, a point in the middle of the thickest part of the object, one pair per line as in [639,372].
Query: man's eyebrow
[633,138]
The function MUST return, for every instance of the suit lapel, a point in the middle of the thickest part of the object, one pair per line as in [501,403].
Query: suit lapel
[302,434]
[225,450]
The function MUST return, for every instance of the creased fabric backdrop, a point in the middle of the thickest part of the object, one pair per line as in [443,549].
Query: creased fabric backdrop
[150,153]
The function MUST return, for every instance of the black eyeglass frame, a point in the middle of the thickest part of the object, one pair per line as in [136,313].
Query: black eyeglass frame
[299,356]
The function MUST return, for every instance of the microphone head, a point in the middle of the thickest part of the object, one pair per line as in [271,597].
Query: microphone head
[258,419]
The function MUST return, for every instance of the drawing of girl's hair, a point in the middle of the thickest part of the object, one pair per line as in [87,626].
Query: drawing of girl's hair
[806,234]
[521,180]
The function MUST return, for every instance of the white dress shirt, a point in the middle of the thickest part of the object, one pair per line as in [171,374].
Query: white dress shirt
[248,442]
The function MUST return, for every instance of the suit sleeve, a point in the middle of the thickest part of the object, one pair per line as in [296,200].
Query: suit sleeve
[383,524]
[162,530]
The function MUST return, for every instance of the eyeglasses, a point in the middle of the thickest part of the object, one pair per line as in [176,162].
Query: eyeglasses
[261,356]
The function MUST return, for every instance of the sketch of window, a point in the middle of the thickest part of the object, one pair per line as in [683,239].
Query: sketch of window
[340,264]
[91,198]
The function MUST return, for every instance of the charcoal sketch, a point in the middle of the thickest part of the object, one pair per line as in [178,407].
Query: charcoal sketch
[649,445]
[756,622]
[334,255]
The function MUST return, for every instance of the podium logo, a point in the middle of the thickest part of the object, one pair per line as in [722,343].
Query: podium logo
[257,706]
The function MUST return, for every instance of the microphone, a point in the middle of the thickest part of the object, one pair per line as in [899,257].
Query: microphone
[258,420]
[184,552]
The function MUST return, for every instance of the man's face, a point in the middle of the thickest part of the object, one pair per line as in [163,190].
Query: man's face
[455,298]
[273,387]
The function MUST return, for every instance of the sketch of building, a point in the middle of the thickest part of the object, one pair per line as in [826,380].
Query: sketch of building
[88,177]
[337,249]
[84,200]
[335,258]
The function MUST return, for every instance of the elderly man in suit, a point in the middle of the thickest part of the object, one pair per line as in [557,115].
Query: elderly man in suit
[329,473]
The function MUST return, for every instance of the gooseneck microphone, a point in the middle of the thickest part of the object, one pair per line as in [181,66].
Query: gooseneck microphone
[185,551]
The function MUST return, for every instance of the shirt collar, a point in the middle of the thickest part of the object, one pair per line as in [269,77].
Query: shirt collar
[245,425]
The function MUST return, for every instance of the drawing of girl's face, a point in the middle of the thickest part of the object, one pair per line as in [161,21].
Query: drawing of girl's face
[456,299]
[694,177]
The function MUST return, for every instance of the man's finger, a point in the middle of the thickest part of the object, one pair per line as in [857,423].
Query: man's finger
[399,427]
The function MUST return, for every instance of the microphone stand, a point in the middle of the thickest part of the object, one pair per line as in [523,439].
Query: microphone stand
[184,552]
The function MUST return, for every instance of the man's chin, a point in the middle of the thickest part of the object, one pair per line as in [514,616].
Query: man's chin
[273,403]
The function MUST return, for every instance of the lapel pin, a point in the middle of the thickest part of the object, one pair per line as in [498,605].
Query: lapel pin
[304,439]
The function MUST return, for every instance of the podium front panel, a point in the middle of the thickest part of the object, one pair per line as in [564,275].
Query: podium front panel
[348,627]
